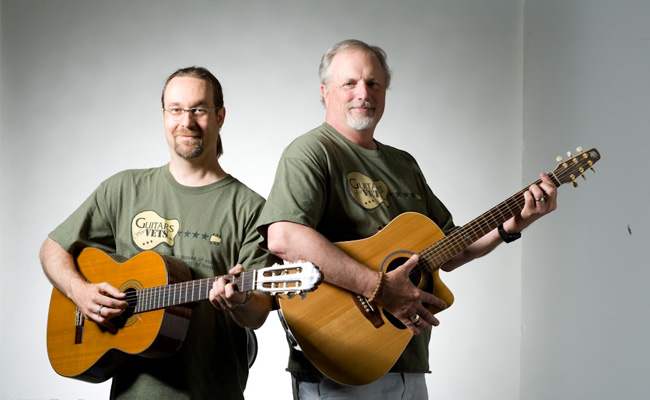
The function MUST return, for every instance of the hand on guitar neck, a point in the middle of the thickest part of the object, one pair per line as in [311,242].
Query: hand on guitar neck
[249,309]
[539,199]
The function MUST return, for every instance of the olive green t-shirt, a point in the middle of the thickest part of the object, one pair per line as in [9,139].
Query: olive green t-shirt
[210,228]
[347,192]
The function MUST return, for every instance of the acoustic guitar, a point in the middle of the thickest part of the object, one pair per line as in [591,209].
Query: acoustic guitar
[355,342]
[159,286]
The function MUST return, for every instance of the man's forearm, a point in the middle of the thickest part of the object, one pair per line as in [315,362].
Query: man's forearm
[296,242]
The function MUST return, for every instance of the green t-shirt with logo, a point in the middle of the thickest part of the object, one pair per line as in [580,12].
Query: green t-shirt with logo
[347,192]
[211,228]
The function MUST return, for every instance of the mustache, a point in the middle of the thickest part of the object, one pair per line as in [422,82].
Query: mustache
[364,104]
[188,132]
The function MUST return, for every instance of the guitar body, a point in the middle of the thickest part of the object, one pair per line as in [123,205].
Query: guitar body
[345,339]
[82,349]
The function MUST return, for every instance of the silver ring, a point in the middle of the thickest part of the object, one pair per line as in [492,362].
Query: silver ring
[415,319]
[99,310]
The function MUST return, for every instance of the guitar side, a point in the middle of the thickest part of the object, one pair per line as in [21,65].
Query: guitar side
[82,349]
[346,341]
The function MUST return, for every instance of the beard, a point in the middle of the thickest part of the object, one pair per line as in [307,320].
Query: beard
[191,148]
[360,122]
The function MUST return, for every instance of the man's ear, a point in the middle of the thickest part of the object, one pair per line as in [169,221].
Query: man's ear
[221,116]
[324,92]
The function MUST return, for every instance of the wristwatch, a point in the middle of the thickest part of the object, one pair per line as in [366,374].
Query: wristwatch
[507,237]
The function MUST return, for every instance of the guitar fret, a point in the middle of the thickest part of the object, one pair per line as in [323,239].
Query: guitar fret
[242,287]
[138,301]
[155,298]
[145,300]
[500,211]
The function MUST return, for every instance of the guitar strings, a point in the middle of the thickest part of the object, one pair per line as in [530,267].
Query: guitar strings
[156,297]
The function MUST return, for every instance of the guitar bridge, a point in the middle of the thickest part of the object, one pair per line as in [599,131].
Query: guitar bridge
[368,309]
[79,327]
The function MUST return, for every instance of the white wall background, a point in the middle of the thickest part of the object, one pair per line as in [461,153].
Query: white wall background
[586,303]
[486,93]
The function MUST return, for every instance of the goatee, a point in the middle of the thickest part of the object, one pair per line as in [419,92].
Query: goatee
[192,149]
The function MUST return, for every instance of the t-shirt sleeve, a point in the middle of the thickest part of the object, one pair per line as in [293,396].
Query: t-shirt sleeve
[298,191]
[87,225]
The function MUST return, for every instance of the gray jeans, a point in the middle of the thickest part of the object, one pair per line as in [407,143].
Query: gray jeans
[390,386]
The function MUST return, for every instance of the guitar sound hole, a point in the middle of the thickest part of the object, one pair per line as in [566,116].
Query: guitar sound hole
[124,319]
[420,277]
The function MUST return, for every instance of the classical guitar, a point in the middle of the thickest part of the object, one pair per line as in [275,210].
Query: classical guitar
[355,342]
[155,284]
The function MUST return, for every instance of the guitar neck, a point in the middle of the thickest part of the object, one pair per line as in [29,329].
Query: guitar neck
[159,297]
[458,240]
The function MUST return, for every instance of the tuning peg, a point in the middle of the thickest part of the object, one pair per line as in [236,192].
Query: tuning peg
[558,158]
[583,177]
[579,149]
[575,184]
[592,169]
[568,153]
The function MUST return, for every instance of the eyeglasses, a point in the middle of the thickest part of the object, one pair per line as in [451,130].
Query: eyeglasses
[196,112]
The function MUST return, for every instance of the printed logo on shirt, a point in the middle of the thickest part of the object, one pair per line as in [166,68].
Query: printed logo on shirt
[368,194]
[148,230]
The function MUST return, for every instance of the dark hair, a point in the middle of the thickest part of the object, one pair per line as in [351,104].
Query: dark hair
[201,73]
[326,60]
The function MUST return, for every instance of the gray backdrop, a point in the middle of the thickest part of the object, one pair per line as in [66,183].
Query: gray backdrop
[485,94]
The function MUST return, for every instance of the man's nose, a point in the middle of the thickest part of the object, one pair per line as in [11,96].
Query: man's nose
[362,91]
[187,119]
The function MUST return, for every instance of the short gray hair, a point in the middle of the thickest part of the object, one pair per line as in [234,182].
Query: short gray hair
[351,44]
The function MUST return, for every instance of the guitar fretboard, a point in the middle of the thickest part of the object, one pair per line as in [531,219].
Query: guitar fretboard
[158,297]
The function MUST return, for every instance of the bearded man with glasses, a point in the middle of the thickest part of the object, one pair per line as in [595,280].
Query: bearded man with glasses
[190,209]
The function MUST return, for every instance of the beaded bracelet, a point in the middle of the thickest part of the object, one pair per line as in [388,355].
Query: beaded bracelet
[378,288]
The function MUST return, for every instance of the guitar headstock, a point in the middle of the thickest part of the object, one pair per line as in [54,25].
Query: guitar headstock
[289,279]
[568,170]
